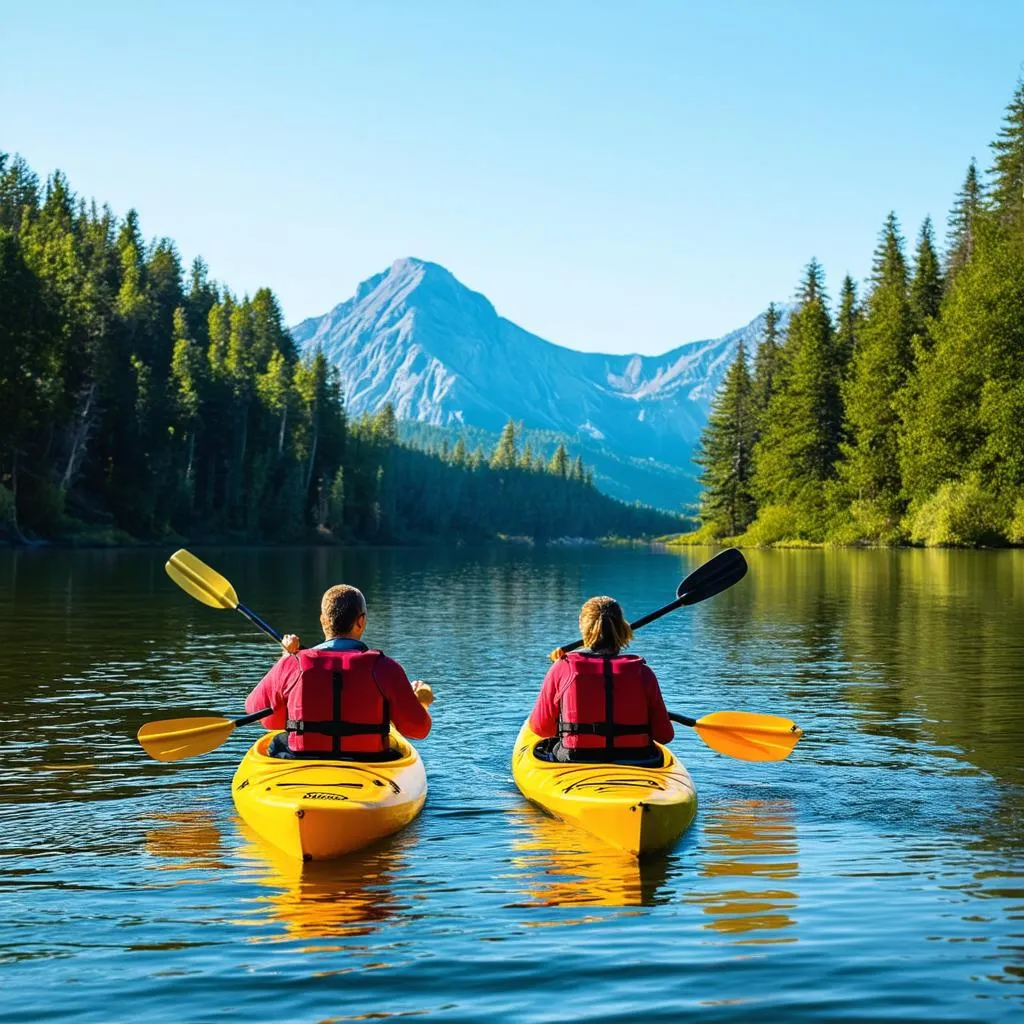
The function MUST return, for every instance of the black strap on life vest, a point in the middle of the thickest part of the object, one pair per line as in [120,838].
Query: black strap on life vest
[609,729]
[337,727]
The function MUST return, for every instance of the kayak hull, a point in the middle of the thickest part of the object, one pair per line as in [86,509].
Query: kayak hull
[638,810]
[318,810]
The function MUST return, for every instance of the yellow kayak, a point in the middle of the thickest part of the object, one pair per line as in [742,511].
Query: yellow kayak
[316,810]
[638,810]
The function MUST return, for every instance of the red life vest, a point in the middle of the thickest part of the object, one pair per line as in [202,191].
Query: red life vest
[604,704]
[335,705]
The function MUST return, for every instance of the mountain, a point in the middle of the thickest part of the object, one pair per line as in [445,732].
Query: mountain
[417,337]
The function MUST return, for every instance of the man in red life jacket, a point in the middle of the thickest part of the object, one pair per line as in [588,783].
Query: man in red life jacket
[598,704]
[340,698]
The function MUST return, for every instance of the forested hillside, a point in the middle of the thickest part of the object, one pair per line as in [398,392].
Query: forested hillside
[896,417]
[138,401]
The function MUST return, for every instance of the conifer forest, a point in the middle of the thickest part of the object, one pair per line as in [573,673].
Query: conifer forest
[138,401]
[896,415]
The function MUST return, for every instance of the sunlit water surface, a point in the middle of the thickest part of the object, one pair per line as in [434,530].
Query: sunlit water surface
[876,875]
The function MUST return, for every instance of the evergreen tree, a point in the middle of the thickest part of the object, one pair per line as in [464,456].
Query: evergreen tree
[963,224]
[1007,193]
[965,413]
[559,464]
[800,433]
[926,284]
[767,361]
[870,472]
[725,453]
[505,455]
[848,321]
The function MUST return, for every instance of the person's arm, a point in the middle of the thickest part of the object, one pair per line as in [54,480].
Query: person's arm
[271,692]
[408,715]
[544,717]
[657,714]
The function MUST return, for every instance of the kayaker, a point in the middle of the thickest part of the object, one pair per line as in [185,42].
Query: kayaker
[597,704]
[340,698]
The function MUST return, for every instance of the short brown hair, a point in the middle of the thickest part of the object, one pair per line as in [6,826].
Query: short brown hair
[339,608]
[603,625]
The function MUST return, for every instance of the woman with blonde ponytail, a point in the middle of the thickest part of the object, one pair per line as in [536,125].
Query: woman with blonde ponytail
[597,704]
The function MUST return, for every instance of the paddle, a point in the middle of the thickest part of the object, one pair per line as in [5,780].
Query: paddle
[714,576]
[177,738]
[196,578]
[174,739]
[740,734]
[745,735]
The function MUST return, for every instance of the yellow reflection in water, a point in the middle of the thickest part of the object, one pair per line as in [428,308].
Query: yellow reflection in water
[346,897]
[749,844]
[556,865]
[184,841]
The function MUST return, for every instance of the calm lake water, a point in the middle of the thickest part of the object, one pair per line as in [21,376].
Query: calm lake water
[878,874]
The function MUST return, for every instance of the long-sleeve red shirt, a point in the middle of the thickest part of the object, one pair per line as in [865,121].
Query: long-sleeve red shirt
[544,717]
[408,715]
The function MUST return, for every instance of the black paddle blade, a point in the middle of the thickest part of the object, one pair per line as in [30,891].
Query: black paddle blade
[714,576]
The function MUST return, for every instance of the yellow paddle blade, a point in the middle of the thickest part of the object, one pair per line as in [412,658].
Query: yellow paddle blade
[747,736]
[198,579]
[176,738]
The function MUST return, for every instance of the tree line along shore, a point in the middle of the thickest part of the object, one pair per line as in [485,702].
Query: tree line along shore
[142,403]
[897,418]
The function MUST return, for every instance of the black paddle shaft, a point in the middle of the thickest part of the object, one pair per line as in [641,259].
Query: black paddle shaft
[259,623]
[714,576]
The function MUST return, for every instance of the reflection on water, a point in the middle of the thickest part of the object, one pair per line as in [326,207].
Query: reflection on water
[879,871]
[184,841]
[326,899]
[750,847]
[556,865]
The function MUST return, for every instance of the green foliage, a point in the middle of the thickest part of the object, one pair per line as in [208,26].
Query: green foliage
[726,451]
[926,285]
[774,524]
[800,432]
[559,464]
[961,513]
[505,453]
[1015,528]
[1007,193]
[767,363]
[963,224]
[869,474]
[848,324]
[132,399]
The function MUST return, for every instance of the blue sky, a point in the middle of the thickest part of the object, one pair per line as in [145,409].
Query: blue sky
[613,176]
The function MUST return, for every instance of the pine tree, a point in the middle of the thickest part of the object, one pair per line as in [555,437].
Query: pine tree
[505,454]
[848,321]
[459,456]
[1007,193]
[767,363]
[926,284]
[963,224]
[800,434]
[559,464]
[870,474]
[725,452]
[577,473]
